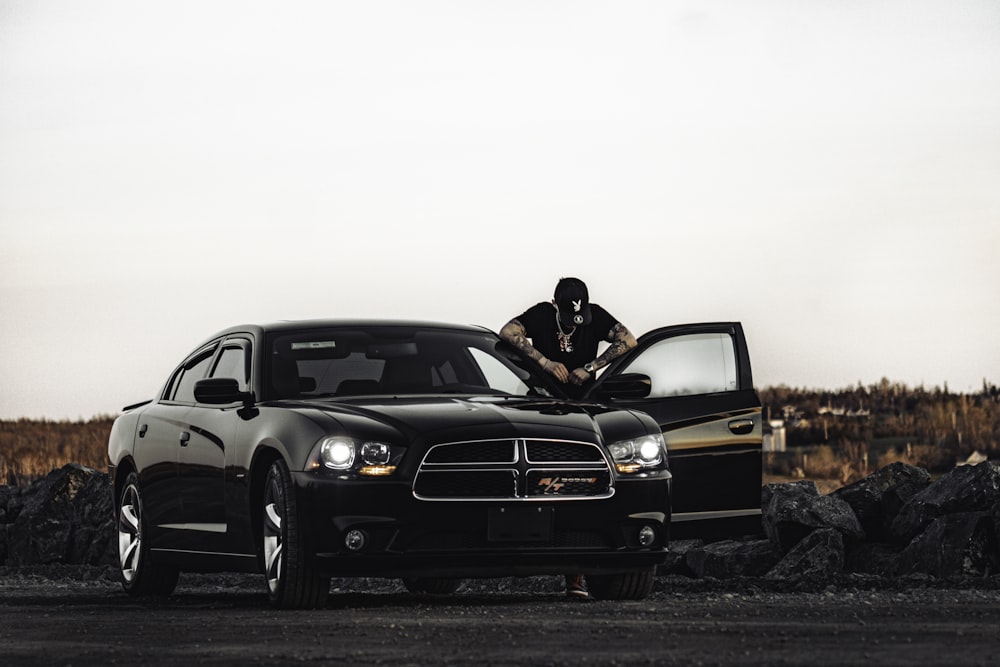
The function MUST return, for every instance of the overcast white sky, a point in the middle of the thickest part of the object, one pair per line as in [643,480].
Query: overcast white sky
[828,173]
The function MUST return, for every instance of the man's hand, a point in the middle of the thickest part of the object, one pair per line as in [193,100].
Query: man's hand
[579,376]
[557,370]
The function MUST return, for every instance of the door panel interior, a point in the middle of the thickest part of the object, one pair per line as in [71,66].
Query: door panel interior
[703,398]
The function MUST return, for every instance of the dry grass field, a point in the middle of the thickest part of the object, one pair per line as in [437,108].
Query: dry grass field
[30,448]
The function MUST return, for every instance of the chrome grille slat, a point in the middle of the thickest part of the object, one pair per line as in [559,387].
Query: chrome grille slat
[514,469]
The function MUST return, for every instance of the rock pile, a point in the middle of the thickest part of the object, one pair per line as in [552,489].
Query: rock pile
[896,522]
[64,518]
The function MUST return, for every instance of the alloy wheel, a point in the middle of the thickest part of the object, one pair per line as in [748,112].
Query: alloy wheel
[273,539]
[130,533]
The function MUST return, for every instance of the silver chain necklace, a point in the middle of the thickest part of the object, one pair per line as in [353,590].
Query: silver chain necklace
[565,339]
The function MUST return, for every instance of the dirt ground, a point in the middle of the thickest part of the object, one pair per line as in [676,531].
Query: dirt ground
[74,618]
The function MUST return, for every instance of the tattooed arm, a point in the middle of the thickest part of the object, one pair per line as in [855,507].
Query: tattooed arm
[621,340]
[514,333]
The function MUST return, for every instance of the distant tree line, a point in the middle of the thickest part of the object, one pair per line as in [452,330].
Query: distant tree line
[934,427]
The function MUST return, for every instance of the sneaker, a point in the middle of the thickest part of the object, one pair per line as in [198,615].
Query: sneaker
[576,587]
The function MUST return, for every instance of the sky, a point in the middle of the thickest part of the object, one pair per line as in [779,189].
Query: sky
[826,173]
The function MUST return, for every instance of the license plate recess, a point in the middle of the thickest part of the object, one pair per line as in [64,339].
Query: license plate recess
[520,524]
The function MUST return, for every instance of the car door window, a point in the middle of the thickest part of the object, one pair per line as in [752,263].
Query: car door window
[700,363]
[232,364]
[192,372]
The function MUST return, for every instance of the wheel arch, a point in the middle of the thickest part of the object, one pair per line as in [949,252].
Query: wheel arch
[122,470]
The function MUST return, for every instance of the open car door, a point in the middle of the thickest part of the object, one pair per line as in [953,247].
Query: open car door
[702,395]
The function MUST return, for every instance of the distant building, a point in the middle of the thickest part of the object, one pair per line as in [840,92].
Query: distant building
[774,436]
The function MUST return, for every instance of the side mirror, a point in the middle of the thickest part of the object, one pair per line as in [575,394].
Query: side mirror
[219,391]
[626,386]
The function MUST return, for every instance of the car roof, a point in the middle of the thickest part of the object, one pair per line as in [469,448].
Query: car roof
[353,323]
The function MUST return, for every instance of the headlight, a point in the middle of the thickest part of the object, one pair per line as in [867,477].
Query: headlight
[364,457]
[649,450]
[337,453]
[634,455]
[375,453]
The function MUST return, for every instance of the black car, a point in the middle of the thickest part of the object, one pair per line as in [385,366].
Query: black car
[428,452]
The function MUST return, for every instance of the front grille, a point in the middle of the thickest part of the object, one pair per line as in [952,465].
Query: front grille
[484,451]
[514,470]
[469,484]
[546,451]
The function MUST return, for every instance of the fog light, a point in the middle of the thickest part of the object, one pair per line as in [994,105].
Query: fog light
[646,535]
[355,540]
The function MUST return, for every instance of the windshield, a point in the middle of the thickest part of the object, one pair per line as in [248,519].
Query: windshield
[394,360]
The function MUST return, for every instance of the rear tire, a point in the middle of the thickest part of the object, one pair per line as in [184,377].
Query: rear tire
[432,585]
[292,583]
[634,585]
[140,576]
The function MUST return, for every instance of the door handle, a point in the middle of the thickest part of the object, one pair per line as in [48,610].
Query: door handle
[741,426]
[185,437]
[142,430]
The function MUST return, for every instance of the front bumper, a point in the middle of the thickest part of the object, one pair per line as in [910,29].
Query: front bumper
[404,536]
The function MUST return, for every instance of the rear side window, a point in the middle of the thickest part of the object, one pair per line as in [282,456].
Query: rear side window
[689,365]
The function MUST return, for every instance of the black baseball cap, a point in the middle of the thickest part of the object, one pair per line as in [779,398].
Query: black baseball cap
[573,302]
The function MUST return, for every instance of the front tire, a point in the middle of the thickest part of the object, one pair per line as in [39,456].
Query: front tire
[634,585]
[140,576]
[292,583]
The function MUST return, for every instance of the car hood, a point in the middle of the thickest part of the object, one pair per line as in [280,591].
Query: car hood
[450,418]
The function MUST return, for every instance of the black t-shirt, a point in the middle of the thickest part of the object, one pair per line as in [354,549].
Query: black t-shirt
[540,326]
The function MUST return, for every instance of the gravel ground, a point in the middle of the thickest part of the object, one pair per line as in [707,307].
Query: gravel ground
[74,616]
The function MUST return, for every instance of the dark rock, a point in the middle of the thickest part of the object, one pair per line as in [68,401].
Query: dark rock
[817,558]
[806,486]
[95,539]
[7,494]
[10,503]
[731,558]
[676,562]
[878,498]
[64,518]
[995,515]
[964,489]
[39,539]
[952,546]
[796,510]
[875,558]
